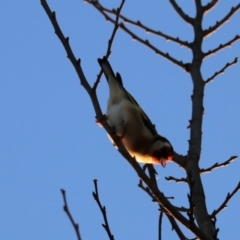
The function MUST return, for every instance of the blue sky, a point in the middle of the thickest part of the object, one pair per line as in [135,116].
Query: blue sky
[48,135]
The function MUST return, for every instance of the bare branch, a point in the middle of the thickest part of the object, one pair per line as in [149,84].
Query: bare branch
[144,42]
[159,196]
[224,204]
[76,63]
[160,224]
[177,180]
[103,210]
[144,27]
[66,210]
[176,228]
[221,46]
[179,159]
[110,42]
[221,71]
[156,50]
[183,15]
[209,6]
[218,24]
[190,198]
[218,165]
[101,8]
[158,33]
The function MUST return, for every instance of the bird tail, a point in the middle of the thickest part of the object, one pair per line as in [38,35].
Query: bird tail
[106,67]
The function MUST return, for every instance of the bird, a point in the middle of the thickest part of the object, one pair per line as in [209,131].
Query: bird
[131,123]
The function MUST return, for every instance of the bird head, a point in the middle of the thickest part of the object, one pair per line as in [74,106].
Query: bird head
[162,151]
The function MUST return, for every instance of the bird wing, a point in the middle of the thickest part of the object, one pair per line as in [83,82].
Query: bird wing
[107,69]
[146,121]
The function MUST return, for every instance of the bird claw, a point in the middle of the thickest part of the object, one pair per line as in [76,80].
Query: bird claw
[100,119]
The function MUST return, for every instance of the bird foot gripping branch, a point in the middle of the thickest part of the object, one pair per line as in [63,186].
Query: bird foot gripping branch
[129,120]
[100,119]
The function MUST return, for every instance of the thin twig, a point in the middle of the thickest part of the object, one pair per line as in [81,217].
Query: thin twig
[160,223]
[142,26]
[137,38]
[224,204]
[222,46]
[66,210]
[209,6]
[183,15]
[110,42]
[103,210]
[178,180]
[218,24]
[218,165]
[214,221]
[152,47]
[176,228]
[221,71]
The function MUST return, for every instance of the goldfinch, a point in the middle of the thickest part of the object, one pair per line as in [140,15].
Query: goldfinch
[131,123]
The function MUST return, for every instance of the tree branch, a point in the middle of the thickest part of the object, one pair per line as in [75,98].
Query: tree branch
[222,46]
[218,165]
[224,204]
[110,42]
[161,199]
[101,8]
[103,210]
[209,6]
[190,198]
[156,50]
[66,210]
[183,15]
[144,42]
[176,228]
[160,223]
[218,24]
[177,180]
[221,71]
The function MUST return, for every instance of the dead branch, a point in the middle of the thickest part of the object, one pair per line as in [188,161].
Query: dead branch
[221,71]
[103,211]
[183,15]
[222,46]
[218,24]
[66,210]
[224,204]
[218,165]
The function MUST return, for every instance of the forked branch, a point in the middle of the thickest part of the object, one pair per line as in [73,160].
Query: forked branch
[138,24]
[137,38]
